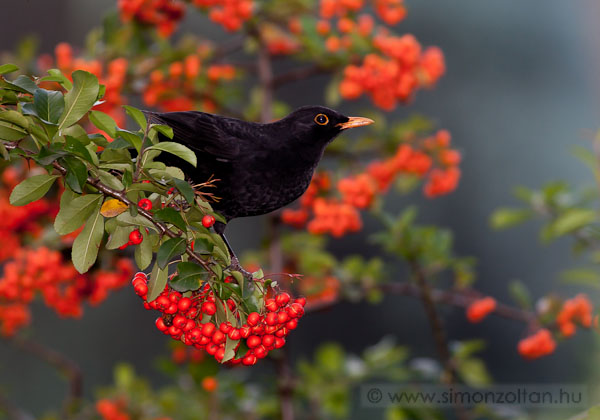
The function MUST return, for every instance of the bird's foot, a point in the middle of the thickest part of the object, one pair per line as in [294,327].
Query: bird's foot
[236,266]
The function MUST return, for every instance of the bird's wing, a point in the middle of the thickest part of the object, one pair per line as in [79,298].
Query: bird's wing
[200,132]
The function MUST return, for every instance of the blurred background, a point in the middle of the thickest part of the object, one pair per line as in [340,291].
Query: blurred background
[521,89]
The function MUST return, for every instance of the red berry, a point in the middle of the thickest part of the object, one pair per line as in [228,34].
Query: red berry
[209,308]
[195,335]
[268,340]
[301,300]
[282,317]
[271,305]
[260,351]
[208,329]
[282,299]
[145,204]
[218,337]
[295,310]
[141,289]
[160,324]
[179,321]
[184,304]
[225,327]
[211,348]
[220,354]
[279,342]
[249,360]
[291,324]
[208,220]
[234,334]
[245,331]
[136,237]
[271,318]
[253,341]
[253,319]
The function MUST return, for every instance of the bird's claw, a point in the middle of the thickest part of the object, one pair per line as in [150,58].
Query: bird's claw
[236,266]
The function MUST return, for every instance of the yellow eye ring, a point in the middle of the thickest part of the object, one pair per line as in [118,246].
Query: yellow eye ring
[321,119]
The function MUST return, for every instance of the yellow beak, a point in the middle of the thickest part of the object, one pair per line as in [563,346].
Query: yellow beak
[355,122]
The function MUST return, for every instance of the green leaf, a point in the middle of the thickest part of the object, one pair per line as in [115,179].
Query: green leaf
[507,217]
[57,76]
[137,115]
[119,237]
[170,249]
[80,99]
[571,220]
[86,245]
[49,105]
[8,68]
[31,189]
[176,149]
[76,173]
[165,130]
[75,213]
[143,252]
[25,82]
[230,346]
[74,146]
[157,282]
[520,294]
[131,138]
[172,216]
[185,189]
[104,122]
[189,277]
[11,132]
[582,277]
[110,180]
[126,219]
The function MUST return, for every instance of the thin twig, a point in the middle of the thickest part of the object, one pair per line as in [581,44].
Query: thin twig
[453,297]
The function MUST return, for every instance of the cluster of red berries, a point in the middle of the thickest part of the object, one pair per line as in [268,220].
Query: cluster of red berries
[330,215]
[395,74]
[231,14]
[430,158]
[537,345]
[164,14]
[192,319]
[44,271]
[172,89]
[112,74]
[576,310]
[18,223]
[481,308]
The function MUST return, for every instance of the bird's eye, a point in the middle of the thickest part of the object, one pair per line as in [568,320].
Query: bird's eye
[321,119]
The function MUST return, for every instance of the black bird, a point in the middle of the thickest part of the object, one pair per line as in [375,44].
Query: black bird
[259,167]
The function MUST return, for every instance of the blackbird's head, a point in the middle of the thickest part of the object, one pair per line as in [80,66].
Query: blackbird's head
[318,125]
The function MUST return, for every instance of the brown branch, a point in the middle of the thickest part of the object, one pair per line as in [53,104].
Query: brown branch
[453,297]
[60,362]
[437,326]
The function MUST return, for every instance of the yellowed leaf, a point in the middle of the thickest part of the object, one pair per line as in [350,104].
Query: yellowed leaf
[112,208]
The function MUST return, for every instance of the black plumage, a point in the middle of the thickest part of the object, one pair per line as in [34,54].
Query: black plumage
[259,167]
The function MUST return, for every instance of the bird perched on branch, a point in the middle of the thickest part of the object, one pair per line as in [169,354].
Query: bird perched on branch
[259,168]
